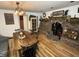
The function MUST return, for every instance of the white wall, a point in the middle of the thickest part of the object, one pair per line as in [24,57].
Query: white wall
[7,30]
[27,25]
[72,11]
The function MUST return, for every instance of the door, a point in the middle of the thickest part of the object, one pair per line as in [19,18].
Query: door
[34,23]
[21,22]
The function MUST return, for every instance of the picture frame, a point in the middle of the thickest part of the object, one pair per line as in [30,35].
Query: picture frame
[58,13]
[9,19]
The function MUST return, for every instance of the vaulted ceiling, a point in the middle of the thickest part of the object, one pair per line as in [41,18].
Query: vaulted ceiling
[37,6]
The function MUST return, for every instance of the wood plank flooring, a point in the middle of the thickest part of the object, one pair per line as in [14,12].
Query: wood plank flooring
[50,48]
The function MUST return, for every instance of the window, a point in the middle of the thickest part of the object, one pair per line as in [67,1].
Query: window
[9,18]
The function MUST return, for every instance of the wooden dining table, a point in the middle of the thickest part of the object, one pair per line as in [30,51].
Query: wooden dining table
[16,45]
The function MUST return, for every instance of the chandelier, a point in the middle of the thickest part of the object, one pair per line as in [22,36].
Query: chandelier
[19,11]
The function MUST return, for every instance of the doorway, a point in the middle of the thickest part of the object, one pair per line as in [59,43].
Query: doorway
[21,22]
[34,23]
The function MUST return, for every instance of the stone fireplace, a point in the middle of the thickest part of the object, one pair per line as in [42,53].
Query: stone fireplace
[69,30]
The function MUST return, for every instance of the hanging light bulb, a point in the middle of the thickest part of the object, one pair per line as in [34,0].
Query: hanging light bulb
[19,11]
[16,12]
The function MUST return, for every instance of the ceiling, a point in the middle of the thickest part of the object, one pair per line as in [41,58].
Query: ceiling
[37,6]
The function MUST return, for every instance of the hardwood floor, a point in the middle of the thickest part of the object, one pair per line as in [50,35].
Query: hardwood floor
[51,48]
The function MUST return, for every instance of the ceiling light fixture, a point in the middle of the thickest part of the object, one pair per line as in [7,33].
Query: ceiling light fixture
[19,11]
